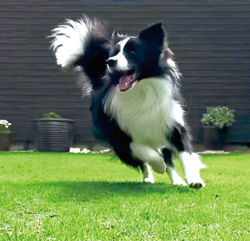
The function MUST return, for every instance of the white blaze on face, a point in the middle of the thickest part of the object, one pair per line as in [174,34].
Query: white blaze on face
[122,63]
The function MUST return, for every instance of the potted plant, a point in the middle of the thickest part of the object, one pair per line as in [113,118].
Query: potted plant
[54,133]
[5,135]
[217,121]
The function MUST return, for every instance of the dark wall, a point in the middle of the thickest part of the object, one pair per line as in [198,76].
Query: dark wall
[211,40]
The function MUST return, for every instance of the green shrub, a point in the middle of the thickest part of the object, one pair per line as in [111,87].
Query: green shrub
[220,116]
[51,115]
[4,125]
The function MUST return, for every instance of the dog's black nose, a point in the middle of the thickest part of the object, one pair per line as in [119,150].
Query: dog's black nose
[111,62]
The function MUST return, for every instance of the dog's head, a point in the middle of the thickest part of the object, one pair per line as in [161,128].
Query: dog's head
[136,58]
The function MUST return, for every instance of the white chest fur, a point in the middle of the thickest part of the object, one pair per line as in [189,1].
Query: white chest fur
[145,112]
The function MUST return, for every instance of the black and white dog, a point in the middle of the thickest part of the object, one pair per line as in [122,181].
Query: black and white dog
[136,104]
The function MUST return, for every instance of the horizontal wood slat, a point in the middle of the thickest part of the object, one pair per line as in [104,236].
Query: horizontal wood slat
[124,15]
[117,7]
[122,3]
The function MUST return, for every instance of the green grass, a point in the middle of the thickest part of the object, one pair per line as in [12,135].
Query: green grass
[48,196]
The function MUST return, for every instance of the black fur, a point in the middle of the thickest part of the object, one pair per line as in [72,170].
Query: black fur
[180,139]
[145,54]
[96,47]
[107,129]
[151,113]
[167,154]
[94,64]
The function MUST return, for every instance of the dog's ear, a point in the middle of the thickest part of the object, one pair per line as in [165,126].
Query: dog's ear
[154,33]
[167,53]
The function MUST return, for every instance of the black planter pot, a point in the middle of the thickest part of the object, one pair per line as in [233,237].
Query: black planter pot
[54,134]
[214,137]
[5,140]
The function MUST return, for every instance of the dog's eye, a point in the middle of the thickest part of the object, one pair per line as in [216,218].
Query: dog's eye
[130,48]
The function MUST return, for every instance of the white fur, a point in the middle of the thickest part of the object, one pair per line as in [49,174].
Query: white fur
[115,33]
[83,81]
[178,113]
[173,68]
[69,40]
[176,179]
[147,112]
[148,155]
[171,63]
[122,43]
[122,63]
[191,164]
[147,174]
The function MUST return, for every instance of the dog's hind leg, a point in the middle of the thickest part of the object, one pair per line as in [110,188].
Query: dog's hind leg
[124,152]
[175,178]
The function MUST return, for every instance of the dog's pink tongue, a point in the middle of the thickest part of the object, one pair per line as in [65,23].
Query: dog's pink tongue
[125,82]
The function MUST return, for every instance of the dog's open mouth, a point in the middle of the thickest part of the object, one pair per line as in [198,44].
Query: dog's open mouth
[128,78]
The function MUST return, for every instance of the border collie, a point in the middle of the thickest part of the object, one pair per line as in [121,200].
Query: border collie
[136,103]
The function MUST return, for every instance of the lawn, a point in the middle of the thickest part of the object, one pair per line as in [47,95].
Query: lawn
[51,196]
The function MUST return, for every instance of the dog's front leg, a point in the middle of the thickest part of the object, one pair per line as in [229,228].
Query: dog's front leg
[190,161]
[147,174]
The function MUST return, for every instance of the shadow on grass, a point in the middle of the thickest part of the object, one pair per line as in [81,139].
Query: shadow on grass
[86,191]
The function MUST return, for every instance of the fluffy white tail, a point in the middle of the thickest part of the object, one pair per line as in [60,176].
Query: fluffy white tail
[86,43]
[69,40]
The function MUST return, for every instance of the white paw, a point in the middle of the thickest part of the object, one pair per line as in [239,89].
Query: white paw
[176,179]
[196,183]
[193,178]
[147,174]
[179,182]
[192,165]
[149,180]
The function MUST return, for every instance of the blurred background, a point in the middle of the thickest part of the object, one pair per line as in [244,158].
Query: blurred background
[210,39]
